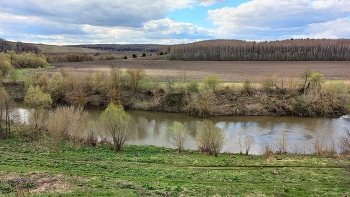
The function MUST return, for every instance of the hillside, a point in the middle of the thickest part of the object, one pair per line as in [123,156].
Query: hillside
[55,49]
[123,47]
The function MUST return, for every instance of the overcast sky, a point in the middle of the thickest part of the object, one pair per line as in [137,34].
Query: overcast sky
[171,21]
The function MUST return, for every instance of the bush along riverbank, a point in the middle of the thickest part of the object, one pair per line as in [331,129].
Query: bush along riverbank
[310,95]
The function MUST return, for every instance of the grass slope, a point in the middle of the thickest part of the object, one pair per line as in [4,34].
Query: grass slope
[66,49]
[69,170]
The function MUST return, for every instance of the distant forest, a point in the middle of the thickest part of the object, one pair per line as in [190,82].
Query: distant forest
[123,47]
[285,50]
[18,47]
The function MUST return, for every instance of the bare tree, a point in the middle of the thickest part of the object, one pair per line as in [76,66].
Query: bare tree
[267,149]
[248,143]
[282,143]
[344,146]
[344,140]
[5,114]
[240,142]
[318,143]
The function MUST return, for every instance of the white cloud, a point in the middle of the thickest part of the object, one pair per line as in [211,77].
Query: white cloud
[131,13]
[209,2]
[78,21]
[143,21]
[339,28]
[264,18]
[169,27]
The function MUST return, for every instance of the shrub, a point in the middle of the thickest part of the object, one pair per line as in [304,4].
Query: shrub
[110,57]
[200,104]
[37,100]
[66,124]
[177,135]
[266,84]
[5,67]
[210,138]
[118,124]
[211,82]
[247,87]
[193,87]
[136,74]
[134,55]
[316,81]
[30,60]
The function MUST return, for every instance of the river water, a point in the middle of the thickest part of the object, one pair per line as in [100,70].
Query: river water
[300,131]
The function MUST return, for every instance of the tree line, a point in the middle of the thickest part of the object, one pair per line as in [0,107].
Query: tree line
[284,50]
[18,47]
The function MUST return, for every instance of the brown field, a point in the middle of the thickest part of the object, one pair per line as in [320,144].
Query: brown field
[227,71]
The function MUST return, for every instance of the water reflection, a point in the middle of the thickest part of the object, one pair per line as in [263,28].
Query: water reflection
[152,127]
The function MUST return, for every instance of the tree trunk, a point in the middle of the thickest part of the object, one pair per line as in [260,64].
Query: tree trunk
[117,146]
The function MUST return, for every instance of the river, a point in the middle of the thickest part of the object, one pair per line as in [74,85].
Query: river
[300,131]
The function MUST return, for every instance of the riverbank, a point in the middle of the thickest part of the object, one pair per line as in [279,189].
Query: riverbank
[228,99]
[71,170]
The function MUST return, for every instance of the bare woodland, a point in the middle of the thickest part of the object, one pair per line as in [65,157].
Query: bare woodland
[284,50]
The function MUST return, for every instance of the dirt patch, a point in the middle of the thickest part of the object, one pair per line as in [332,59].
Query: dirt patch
[227,71]
[33,183]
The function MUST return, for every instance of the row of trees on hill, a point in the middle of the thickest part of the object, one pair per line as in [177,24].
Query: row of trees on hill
[285,50]
[18,47]
[124,47]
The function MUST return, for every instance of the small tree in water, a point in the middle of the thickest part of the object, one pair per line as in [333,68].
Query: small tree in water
[118,124]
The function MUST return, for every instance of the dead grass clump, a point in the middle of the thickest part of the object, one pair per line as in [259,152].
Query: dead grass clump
[34,183]
[267,150]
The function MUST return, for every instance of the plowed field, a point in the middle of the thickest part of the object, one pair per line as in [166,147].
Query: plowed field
[226,70]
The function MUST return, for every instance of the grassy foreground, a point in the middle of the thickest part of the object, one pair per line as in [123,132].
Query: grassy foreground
[67,170]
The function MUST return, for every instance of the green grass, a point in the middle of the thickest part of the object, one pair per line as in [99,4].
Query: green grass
[157,171]
[19,74]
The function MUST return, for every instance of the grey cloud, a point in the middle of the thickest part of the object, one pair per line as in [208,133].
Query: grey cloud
[131,13]
[94,12]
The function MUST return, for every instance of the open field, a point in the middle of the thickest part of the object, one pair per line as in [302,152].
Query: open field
[62,50]
[69,170]
[53,49]
[227,71]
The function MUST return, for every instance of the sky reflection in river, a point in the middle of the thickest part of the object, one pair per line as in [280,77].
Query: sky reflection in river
[152,127]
